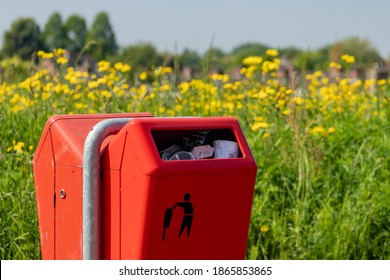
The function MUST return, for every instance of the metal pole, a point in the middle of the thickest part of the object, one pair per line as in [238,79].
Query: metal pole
[91,184]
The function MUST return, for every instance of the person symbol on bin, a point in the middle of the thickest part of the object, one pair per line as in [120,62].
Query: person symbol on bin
[188,214]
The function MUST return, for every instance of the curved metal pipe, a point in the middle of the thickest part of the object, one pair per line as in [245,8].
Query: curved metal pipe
[91,184]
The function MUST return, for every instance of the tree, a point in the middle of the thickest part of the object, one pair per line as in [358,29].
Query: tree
[362,49]
[216,60]
[77,33]
[14,69]
[315,60]
[247,49]
[54,34]
[308,61]
[290,52]
[23,39]
[103,36]
[190,59]
[142,55]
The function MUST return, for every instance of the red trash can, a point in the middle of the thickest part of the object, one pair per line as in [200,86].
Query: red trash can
[161,191]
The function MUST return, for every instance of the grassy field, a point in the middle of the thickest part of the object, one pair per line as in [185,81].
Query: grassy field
[322,148]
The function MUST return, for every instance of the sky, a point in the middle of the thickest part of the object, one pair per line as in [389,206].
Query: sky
[172,25]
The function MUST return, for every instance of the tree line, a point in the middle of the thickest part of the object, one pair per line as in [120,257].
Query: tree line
[25,37]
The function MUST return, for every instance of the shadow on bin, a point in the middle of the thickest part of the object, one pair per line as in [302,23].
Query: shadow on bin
[150,208]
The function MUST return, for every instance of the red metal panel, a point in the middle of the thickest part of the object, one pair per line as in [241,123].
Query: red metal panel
[44,171]
[111,215]
[220,220]
[68,140]
[111,165]
[68,213]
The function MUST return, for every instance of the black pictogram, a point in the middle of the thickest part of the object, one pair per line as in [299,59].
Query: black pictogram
[188,214]
[167,220]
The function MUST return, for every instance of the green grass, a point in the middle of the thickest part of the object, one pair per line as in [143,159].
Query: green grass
[324,200]
[315,197]
[19,237]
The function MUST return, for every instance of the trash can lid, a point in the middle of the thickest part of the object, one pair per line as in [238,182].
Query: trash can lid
[68,133]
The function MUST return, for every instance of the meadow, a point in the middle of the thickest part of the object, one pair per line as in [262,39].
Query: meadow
[321,144]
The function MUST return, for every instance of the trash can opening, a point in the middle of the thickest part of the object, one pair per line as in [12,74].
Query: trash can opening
[196,144]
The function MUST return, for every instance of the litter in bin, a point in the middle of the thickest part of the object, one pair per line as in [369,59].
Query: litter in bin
[200,144]
[182,155]
[200,152]
[225,149]
[167,153]
[196,139]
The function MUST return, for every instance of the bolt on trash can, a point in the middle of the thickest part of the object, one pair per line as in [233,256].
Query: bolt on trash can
[163,195]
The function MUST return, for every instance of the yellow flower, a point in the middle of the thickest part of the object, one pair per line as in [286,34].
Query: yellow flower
[122,67]
[252,60]
[93,84]
[143,76]
[178,108]
[165,87]
[258,125]
[59,52]
[240,96]
[298,100]
[103,66]
[40,53]
[249,72]
[142,90]
[16,147]
[184,87]
[348,58]
[266,135]
[44,55]
[77,96]
[264,228]
[272,52]
[45,95]
[62,60]
[162,70]
[334,65]
[220,77]
[80,105]
[106,93]
[228,86]
[317,74]
[269,66]
[318,130]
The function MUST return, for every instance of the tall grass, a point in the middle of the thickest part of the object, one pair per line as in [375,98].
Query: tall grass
[323,200]
[323,183]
